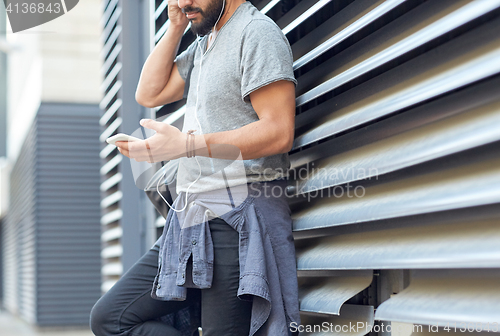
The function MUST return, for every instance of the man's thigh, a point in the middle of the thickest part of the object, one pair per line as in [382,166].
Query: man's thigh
[129,303]
[223,313]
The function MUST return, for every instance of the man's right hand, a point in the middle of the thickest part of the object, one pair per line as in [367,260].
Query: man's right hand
[160,82]
[175,14]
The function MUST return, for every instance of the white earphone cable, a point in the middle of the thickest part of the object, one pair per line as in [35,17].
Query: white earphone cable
[197,120]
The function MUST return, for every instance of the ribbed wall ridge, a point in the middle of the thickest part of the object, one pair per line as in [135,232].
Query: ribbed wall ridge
[52,231]
[395,183]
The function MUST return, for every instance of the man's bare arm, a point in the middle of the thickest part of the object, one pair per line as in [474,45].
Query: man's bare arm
[274,131]
[272,134]
[160,82]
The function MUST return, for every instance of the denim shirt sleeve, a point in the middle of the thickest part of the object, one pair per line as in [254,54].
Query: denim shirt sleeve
[267,256]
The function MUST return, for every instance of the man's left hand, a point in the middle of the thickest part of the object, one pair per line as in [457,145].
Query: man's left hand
[168,143]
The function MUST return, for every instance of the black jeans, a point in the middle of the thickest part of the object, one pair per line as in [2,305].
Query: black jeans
[128,309]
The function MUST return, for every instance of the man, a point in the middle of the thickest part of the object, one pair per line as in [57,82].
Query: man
[227,243]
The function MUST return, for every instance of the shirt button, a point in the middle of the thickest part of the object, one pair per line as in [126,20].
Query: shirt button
[194,242]
[158,286]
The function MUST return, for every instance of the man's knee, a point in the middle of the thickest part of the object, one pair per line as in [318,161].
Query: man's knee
[101,321]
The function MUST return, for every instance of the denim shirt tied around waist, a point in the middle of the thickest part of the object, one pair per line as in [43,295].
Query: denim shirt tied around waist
[266,251]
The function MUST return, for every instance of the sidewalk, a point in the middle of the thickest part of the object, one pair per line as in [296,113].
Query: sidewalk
[13,326]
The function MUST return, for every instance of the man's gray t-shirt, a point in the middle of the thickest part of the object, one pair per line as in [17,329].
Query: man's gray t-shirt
[249,52]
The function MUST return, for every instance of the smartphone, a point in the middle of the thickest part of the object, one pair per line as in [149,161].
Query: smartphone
[121,137]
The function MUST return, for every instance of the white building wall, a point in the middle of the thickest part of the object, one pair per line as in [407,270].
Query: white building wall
[71,55]
[58,61]
[24,81]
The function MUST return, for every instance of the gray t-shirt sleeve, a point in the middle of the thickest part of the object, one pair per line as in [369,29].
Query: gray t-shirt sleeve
[185,63]
[266,57]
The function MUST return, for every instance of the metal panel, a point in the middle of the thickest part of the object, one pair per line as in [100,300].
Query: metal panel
[445,298]
[3,90]
[296,12]
[329,296]
[112,181]
[58,303]
[110,94]
[391,100]
[441,241]
[355,17]
[53,223]
[353,320]
[2,261]
[451,135]
[19,235]
[111,199]
[111,129]
[405,92]
[265,6]
[136,212]
[468,59]
[311,10]
[111,76]
[441,26]
[112,57]
[464,185]
[110,123]
[125,216]
[111,111]
[111,164]
[453,104]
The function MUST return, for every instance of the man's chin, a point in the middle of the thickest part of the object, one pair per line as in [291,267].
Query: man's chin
[197,30]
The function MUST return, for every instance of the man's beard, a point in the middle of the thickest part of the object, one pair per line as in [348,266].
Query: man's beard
[209,17]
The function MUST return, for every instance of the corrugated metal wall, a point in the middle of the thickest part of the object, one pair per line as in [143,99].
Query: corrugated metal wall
[51,237]
[111,193]
[19,235]
[1,262]
[396,182]
[3,90]
[126,220]
[398,132]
